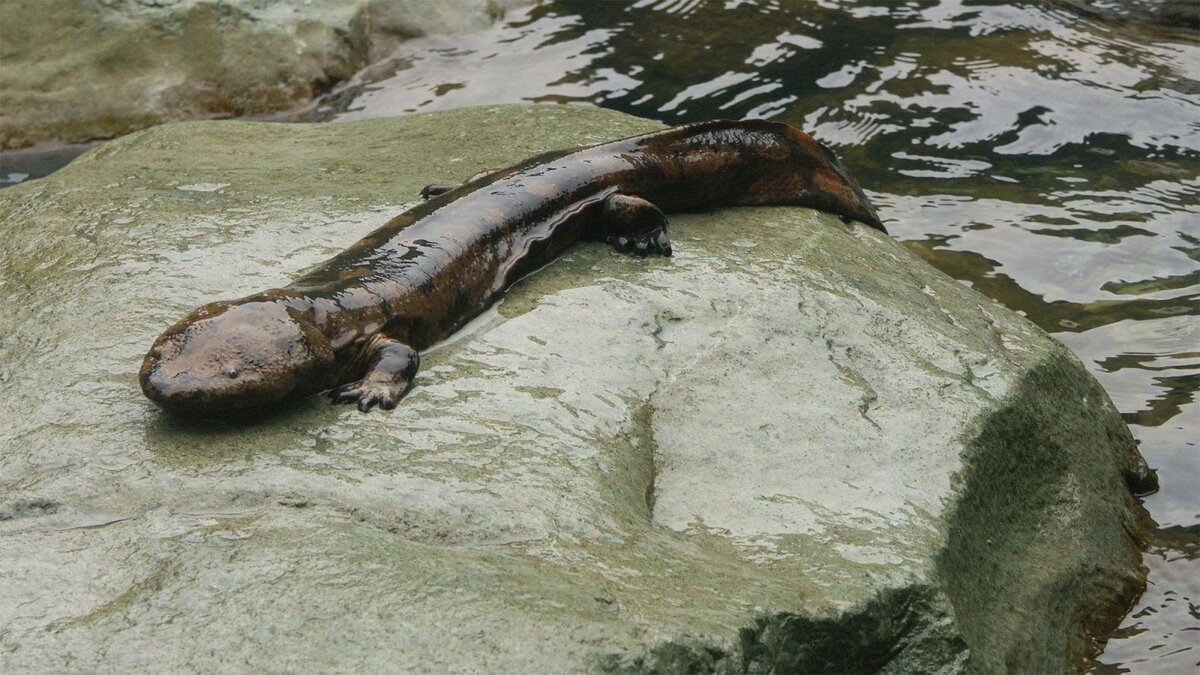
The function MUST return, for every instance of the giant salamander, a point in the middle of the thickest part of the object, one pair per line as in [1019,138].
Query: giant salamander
[355,324]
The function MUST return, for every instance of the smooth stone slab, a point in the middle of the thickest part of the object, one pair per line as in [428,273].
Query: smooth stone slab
[791,447]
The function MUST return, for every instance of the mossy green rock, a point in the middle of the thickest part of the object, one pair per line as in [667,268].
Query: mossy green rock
[74,70]
[791,447]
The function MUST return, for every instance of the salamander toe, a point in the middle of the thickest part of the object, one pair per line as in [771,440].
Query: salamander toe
[656,241]
[367,395]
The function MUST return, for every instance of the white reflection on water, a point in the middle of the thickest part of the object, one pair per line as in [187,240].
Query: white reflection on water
[504,65]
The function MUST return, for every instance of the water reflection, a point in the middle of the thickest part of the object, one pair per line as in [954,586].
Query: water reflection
[1044,153]
[517,62]
[1153,638]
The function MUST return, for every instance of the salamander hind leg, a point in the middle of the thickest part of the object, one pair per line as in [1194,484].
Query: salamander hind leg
[633,224]
[391,370]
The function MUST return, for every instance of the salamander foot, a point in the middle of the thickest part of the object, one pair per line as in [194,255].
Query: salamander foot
[390,373]
[634,225]
[657,241]
[368,394]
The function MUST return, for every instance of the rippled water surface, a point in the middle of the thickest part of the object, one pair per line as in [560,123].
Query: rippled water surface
[1045,155]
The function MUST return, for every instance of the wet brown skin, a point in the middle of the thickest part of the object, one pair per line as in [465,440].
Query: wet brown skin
[416,280]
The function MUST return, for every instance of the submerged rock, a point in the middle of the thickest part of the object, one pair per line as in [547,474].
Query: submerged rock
[1178,14]
[75,71]
[792,447]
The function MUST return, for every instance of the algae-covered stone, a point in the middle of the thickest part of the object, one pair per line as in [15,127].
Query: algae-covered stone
[73,70]
[791,447]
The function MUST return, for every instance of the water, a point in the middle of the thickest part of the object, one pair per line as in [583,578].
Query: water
[1046,156]
[18,166]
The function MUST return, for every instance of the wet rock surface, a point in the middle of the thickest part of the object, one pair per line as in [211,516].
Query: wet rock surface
[791,447]
[76,71]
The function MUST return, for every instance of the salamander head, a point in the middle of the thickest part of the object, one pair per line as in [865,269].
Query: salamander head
[228,357]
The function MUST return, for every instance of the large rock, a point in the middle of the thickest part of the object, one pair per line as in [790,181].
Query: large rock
[791,447]
[73,71]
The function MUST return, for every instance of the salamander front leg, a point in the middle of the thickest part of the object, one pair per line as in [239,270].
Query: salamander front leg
[634,224]
[391,370]
[434,189]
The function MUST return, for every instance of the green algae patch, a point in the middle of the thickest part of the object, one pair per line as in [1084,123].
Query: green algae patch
[792,446]
[1035,524]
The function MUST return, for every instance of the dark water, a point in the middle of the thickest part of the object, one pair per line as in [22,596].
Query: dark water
[1047,156]
[18,166]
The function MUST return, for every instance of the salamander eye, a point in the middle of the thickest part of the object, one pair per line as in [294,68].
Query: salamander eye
[232,373]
